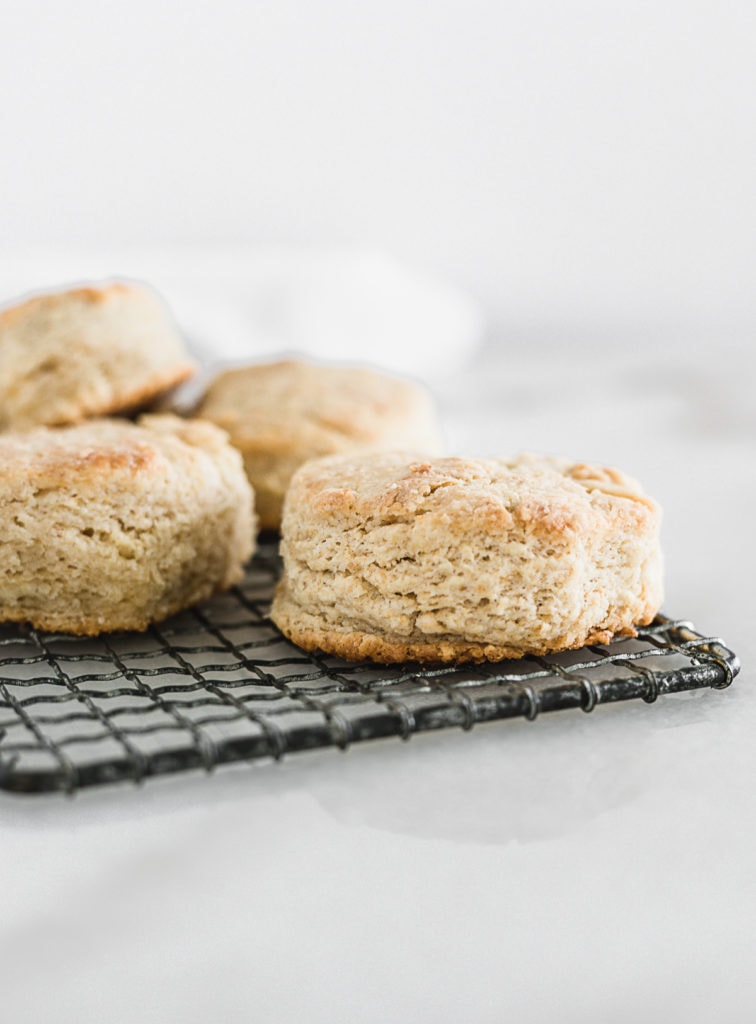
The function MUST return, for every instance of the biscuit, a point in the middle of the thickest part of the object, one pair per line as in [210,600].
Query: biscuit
[87,352]
[281,414]
[393,559]
[111,525]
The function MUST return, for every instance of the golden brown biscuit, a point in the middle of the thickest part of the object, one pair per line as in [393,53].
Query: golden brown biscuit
[113,525]
[281,414]
[392,558]
[86,352]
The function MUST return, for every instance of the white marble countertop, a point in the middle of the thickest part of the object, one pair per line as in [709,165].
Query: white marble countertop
[579,868]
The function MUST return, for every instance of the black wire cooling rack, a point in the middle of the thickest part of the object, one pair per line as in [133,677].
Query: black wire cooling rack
[218,684]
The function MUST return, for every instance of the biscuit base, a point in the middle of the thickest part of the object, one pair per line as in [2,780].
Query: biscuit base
[312,634]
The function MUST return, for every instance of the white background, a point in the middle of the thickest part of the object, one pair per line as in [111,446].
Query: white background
[585,170]
[582,159]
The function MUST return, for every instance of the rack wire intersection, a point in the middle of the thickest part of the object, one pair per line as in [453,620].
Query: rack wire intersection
[218,684]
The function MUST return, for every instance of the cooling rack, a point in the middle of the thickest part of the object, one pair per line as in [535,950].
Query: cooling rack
[219,684]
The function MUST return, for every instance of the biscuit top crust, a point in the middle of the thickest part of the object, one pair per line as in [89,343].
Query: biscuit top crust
[48,303]
[294,405]
[89,455]
[549,494]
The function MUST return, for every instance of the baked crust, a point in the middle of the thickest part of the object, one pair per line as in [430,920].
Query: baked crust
[392,558]
[111,525]
[86,352]
[281,414]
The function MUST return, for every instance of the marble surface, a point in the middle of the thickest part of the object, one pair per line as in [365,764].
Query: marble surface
[579,868]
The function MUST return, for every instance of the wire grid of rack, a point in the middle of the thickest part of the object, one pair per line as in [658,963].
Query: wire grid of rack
[218,684]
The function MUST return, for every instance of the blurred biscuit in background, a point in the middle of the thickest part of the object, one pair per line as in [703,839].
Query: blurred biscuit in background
[84,352]
[281,414]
